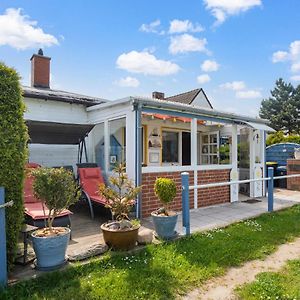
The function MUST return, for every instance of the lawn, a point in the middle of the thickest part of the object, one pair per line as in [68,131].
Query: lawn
[166,270]
[270,285]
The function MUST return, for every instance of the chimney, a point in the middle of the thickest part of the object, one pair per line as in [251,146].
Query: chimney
[40,70]
[158,95]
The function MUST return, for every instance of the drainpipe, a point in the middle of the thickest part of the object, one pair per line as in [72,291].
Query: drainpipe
[138,154]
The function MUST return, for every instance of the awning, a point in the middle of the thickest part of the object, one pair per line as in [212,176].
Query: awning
[56,133]
[259,126]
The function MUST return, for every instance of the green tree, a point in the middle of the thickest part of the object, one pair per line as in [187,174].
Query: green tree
[283,107]
[13,153]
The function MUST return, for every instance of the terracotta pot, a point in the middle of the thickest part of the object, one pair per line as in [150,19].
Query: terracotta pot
[120,239]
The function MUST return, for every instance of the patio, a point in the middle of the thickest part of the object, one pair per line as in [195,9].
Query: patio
[86,232]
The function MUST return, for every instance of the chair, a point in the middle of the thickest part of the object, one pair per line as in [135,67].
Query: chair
[90,179]
[37,212]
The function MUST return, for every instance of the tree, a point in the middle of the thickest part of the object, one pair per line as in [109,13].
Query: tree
[282,109]
[13,153]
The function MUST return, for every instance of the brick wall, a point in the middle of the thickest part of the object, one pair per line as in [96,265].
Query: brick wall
[206,197]
[293,167]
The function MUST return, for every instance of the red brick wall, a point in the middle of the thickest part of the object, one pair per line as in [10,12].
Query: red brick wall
[213,195]
[293,167]
[206,197]
[40,71]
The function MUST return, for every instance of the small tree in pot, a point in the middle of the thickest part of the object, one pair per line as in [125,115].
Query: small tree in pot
[164,219]
[121,233]
[57,190]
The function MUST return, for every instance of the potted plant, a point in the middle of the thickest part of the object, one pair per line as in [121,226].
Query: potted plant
[165,220]
[57,190]
[121,233]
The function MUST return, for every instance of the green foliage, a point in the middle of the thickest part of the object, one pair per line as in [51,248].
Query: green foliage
[165,190]
[13,153]
[120,196]
[167,270]
[280,137]
[282,108]
[56,188]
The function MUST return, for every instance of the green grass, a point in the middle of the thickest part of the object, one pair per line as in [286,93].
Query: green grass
[270,285]
[166,270]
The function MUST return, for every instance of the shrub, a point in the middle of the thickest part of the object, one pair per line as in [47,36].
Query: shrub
[57,189]
[13,153]
[280,137]
[165,189]
[120,197]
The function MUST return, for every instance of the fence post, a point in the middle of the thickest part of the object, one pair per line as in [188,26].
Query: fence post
[185,203]
[270,189]
[3,259]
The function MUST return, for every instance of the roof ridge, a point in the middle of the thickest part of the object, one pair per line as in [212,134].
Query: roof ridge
[198,89]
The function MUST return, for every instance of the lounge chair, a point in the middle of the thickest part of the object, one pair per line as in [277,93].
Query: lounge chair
[37,212]
[90,179]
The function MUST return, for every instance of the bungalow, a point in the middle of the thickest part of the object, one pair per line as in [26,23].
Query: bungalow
[157,136]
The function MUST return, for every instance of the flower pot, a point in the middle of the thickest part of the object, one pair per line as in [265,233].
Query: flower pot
[125,239]
[50,251]
[165,225]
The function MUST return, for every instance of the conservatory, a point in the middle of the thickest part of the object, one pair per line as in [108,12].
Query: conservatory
[159,138]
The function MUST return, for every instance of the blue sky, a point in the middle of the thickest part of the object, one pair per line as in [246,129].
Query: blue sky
[233,49]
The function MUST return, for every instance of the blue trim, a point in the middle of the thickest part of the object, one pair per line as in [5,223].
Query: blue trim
[186,115]
[3,258]
[138,157]
[185,203]
[270,189]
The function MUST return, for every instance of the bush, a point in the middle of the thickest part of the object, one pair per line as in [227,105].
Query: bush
[280,137]
[57,189]
[13,153]
[165,190]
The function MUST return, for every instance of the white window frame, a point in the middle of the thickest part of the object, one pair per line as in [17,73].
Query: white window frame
[179,163]
[209,133]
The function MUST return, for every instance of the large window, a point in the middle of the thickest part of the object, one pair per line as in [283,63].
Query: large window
[170,147]
[117,143]
[209,148]
[98,137]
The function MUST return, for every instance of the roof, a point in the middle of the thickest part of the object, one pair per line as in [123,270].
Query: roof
[58,95]
[186,98]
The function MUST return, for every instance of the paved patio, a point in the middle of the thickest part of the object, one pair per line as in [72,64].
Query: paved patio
[86,232]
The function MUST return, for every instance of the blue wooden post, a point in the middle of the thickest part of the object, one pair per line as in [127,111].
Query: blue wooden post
[3,261]
[185,203]
[270,189]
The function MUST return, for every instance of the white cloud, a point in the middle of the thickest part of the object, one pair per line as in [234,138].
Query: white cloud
[146,63]
[280,56]
[18,31]
[234,85]
[204,78]
[128,82]
[153,27]
[248,94]
[295,78]
[187,43]
[210,66]
[292,56]
[222,9]
[180,26]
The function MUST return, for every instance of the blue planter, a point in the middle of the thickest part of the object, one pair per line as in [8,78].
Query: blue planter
[50,251]
[165,226]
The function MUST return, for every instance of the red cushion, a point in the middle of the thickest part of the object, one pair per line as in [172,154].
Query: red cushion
[29,179]
[35,211]
[90,179]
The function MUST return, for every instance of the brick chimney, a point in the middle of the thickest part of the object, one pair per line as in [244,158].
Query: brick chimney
[158,95]
[40,70]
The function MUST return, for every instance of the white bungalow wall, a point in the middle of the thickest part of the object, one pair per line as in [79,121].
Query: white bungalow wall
[54,111]
[201,101]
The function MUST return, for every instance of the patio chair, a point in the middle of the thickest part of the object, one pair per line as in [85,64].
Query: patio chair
[90,179]
[34,209]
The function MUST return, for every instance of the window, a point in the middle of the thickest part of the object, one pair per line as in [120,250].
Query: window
[117,143]
[98,137]
[170,147]
[209,148]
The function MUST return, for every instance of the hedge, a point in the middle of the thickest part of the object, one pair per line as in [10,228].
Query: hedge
[280,137]
[13,153]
